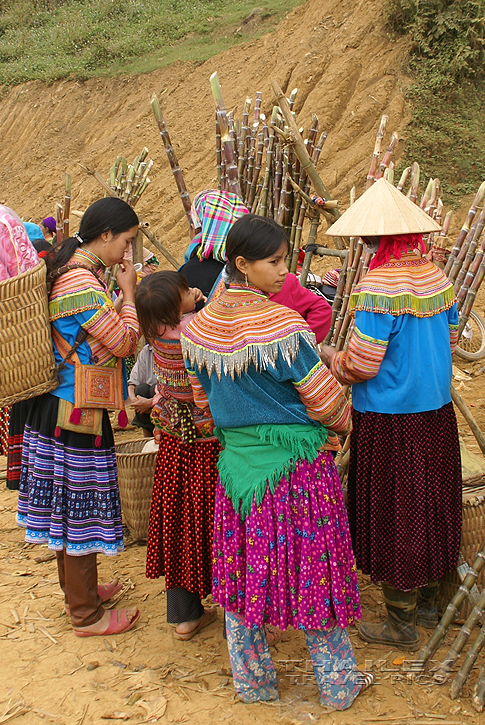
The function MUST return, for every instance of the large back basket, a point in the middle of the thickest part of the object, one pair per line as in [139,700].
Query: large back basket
[26,353]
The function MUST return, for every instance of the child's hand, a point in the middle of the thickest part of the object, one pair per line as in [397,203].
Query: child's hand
[157,435]
[326,353]
[198,296]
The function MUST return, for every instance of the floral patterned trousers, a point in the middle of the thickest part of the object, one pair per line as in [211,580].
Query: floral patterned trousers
[254,674]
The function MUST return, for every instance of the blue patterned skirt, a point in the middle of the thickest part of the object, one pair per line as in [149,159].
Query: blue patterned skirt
[68,493]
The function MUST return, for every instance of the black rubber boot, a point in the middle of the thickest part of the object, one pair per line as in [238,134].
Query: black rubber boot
[399,629]
[427,605]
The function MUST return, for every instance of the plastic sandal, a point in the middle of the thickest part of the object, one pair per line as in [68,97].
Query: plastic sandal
[208,617]
[105,591]
[118,624]
[366,679]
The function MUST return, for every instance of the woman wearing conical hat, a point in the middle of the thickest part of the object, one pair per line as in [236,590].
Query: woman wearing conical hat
[404,487]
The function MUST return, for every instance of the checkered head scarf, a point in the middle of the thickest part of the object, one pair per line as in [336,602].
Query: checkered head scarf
[214,212]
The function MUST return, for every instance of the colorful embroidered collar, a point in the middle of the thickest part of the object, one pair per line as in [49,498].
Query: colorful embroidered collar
[87,256]
[410,285]
[242,327]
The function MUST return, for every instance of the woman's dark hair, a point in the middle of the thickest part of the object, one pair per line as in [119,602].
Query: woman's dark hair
[105,215]
[157,300]
[253,237]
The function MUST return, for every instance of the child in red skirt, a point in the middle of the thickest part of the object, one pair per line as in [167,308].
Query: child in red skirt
[182,510]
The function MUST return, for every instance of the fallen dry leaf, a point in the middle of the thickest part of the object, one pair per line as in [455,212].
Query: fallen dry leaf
[398,660]
[155,709]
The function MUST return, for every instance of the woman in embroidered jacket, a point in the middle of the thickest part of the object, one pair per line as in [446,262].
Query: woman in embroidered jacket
[282,552]
[69,495]
[404,488]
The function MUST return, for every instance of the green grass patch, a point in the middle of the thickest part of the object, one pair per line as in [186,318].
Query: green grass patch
[53,39]
[447,64]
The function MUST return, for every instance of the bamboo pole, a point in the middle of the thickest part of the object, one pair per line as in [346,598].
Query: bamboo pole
[465,411]
[453,609]
[467,252]
[301,152]
[172,157]
[227,143]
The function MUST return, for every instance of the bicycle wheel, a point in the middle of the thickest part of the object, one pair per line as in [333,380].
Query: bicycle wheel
[471,345]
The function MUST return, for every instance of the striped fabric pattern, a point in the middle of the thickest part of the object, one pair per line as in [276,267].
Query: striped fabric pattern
[362,359]
[214,212]
[242,327]
[410,285]
[111,334]
[453,337]
[322,396]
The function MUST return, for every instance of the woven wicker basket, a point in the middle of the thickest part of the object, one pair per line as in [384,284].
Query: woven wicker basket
[472,537]
[135,478]
[25,338]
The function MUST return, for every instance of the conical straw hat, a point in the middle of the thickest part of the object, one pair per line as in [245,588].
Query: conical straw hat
[380,211]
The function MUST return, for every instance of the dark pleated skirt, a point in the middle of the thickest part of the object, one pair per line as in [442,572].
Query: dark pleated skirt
[18,418]
[404,495]
[181,527]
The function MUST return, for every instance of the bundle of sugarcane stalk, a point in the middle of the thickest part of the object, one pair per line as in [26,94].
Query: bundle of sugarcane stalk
[270,167]
[477,616]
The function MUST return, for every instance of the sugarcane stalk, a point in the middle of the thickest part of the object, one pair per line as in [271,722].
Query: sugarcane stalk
[337,300]
[257,169]
[310,247]
[158,245]
[241,162]
[468,662]
[387,156]
[389,173]
[100,180]
[477,202]
[172,158]
[59,223]
[113,271]
[467,252]
[67,207]
[461,639]
[292,98]
[470,276]
[426,196]
[470,297]
[414,187]
[349,284]
[404,178]
[452,610]
[263,206]
[219,155]
[377,152]
[137,247]
[301,152]
[227,144]
[479,691]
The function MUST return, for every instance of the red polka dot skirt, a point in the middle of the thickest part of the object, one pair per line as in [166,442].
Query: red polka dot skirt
[404,495]
[180,532]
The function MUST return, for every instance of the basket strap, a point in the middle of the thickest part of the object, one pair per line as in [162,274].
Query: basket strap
[63,347]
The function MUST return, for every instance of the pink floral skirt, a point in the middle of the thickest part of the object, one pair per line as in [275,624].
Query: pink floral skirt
[290,562]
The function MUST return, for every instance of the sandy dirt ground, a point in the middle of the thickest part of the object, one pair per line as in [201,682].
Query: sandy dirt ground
[48,674]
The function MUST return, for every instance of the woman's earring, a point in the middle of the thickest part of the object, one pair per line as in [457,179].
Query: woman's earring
[245,279]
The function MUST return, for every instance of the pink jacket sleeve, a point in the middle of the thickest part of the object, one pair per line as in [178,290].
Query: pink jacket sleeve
[314,309]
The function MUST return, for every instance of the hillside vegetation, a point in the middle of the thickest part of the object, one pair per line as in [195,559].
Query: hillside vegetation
[446,62]
[53,39]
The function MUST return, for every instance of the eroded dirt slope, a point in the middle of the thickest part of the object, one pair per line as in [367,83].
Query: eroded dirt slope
[336,52]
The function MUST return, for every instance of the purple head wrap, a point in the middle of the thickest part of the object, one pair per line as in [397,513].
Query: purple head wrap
[50,223]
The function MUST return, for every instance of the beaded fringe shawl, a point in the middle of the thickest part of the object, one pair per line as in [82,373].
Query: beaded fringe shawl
[241,328]
[410,285]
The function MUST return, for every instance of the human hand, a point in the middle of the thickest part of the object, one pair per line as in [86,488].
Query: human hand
[142,405]
[157,435]
[126,278]
[326,353]
[198,295]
